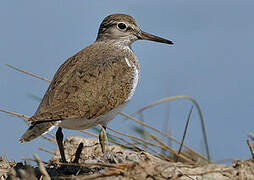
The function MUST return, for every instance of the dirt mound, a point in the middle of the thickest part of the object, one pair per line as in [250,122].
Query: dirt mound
[119,163]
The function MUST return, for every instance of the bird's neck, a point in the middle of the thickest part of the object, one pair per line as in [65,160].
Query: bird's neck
[123,41]
[118,48]
[119,44]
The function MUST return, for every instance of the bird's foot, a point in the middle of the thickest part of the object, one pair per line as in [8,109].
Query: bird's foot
[109,156]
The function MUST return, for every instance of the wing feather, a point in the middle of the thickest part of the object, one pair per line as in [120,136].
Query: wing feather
[86,86]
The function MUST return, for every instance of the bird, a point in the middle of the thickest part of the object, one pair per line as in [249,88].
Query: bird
[94,85]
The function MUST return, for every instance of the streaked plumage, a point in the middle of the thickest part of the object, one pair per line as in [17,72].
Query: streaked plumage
[94,85]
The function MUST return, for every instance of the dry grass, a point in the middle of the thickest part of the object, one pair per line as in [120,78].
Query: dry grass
[146,144]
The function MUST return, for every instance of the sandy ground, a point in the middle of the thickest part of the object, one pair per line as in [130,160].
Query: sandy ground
[119,163]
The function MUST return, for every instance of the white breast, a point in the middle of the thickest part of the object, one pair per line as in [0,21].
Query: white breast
[135,77]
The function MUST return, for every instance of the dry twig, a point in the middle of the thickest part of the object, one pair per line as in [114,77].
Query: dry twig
[46,150]
[251,148]
[22,116]
[162,133]
[42,168]
[28,73]
[196,105]
[185,130]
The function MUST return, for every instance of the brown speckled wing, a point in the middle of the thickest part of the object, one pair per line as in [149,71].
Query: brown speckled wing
[87,86]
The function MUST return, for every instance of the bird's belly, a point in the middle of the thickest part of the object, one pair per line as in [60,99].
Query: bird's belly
[82,123]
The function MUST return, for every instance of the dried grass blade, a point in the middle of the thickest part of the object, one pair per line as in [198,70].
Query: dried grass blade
[199,112]
[28,73]
[22,116]
[162,133]
[185,130]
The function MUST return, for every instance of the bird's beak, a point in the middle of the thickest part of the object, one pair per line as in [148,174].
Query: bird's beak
[146,36]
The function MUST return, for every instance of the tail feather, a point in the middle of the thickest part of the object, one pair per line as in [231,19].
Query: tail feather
[36,129]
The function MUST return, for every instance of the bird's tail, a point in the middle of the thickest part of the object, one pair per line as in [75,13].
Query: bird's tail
[36,129]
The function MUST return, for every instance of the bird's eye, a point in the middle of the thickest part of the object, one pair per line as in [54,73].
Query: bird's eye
[121,26]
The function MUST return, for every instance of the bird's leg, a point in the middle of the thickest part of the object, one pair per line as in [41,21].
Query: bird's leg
[108,155]
[103,139]
[59,139]
[78,152]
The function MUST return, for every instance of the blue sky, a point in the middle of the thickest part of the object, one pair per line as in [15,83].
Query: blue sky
[211,61]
